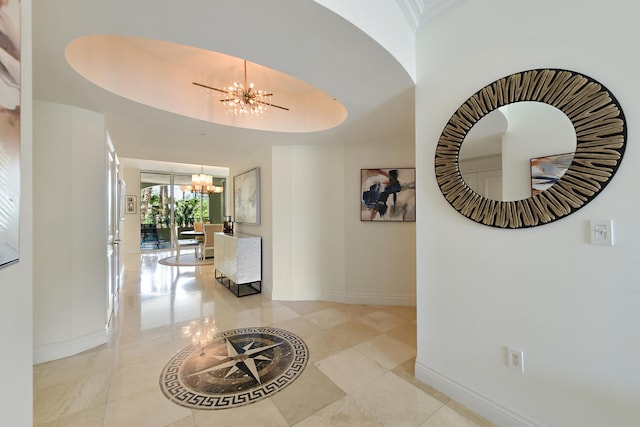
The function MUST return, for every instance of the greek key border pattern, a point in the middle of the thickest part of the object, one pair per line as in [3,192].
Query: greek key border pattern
[175,389]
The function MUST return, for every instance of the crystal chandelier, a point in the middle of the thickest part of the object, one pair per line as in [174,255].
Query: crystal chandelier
[244,97]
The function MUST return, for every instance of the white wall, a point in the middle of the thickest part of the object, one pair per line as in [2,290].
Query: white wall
[260,158]
[570,306]
[386,23]
[69,190]
[16,281]
[131,225]
[321,248]
[308,222]
[380,258]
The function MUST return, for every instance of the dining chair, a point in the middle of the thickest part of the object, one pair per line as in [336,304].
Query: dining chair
[185,243]
[197,226]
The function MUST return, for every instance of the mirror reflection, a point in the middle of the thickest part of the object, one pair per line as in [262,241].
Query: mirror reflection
[517,150]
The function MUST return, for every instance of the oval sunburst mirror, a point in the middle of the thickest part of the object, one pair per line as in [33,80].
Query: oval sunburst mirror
[600,130]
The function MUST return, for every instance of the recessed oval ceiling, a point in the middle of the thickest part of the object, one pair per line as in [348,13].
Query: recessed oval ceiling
[161,75]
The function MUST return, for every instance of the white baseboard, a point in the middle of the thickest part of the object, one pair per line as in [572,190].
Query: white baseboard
[58,350]
[345,298]
[380,300]
[478,403]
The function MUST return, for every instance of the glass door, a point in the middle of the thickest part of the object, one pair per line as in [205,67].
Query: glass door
[155,210]
[190,207]
[164,202]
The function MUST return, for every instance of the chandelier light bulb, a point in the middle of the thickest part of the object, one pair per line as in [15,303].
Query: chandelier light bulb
[244,98]
[202,183]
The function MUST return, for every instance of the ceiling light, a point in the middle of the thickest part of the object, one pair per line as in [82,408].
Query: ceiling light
[244,97]
[202,183]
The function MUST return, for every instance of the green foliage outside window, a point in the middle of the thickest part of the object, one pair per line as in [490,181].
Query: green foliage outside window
[188,211]
[155,208]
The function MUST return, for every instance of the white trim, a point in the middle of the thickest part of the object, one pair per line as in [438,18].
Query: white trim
[404,300]
[434,7]
[412,10]
[58,350]
[401,300]
[419,11]
[473,400]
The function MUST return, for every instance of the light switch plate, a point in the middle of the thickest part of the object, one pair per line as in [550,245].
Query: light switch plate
[601,232]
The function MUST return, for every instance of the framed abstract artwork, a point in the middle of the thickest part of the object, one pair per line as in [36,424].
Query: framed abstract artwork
[9,132]
[246,197]
[547,170]
[388,194]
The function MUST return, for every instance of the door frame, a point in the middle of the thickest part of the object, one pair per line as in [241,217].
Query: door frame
[116,190]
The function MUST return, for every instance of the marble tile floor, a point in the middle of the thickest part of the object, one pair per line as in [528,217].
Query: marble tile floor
[360,370]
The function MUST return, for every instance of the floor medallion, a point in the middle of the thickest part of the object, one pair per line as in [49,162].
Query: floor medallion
[235,368]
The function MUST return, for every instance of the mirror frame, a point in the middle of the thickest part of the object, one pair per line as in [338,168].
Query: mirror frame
[601,134]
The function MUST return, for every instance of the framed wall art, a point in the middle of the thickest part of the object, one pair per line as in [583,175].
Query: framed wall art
[130,204]
[246,197]
[388,194]
[9,132]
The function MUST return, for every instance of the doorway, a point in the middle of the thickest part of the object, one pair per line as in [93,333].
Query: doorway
[115,214]
[164,202]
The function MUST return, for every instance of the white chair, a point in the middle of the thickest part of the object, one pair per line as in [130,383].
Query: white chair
[185,243]
[209,230]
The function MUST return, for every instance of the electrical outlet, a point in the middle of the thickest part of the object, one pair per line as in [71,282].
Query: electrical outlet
[515,359]
[602,232]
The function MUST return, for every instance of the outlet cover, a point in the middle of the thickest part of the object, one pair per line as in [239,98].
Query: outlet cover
[602,232]
[515,359]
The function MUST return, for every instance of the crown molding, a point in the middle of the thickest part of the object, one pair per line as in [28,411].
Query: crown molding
[434,7]
[419,11]
[412,10]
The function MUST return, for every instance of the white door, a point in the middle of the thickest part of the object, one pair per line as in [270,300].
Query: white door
[486,183]
[115,195]
[491,184]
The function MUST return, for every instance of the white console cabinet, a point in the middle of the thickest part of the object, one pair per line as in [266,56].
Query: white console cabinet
[238,262]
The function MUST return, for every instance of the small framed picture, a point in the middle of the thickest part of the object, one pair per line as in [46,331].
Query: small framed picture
[130,204]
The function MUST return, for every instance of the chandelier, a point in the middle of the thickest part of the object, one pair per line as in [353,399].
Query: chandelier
[202,183]
[244,97]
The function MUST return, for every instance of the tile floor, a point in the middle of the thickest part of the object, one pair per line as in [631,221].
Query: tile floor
[360,370]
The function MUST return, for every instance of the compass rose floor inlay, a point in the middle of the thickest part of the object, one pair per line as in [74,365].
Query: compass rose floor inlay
[235,368]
